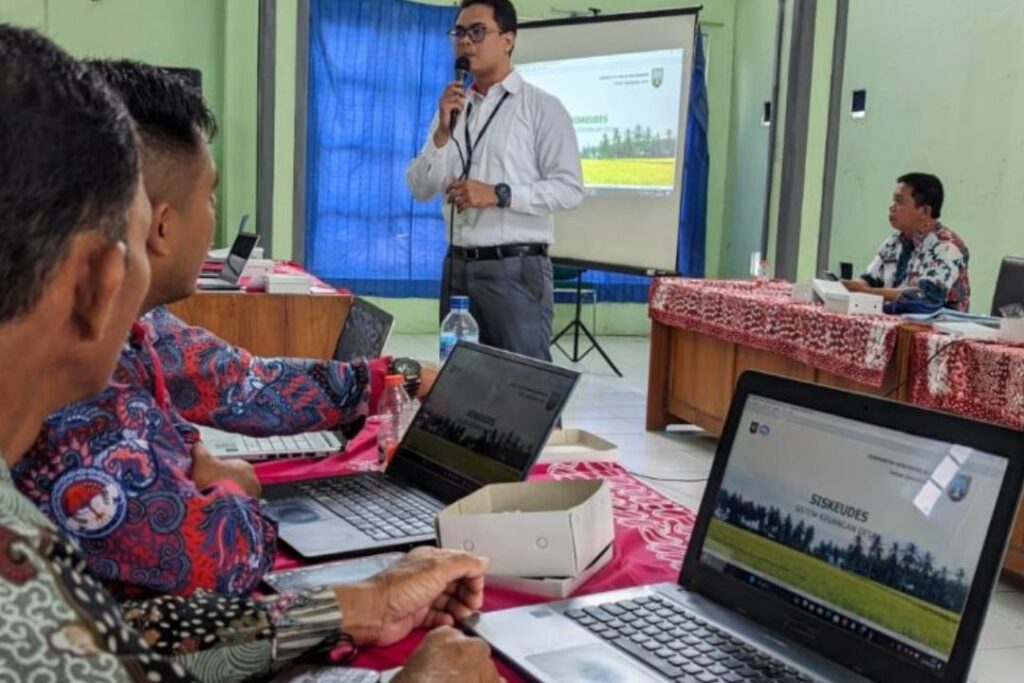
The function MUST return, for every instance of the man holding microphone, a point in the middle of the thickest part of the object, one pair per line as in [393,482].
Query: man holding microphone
[504,153]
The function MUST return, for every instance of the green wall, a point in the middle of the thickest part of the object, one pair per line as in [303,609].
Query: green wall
[216,36]
[752,74]
[944,95]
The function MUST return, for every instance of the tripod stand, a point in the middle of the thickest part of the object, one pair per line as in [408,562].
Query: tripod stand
[576,326]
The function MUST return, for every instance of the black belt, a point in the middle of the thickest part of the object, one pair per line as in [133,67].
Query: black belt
[499,252]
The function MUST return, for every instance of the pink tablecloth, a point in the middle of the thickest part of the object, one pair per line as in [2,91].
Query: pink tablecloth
[763,316]
[978,379]
[651,531]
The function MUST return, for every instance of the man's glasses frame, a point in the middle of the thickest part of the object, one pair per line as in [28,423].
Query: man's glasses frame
[477,33]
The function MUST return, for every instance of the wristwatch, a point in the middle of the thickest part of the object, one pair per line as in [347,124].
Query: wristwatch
[504,194]
[410,369]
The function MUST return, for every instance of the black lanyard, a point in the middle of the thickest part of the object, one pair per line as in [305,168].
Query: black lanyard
[470,146]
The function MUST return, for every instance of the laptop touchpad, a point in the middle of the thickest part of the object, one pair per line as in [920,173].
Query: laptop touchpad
[596,662]
[295,512]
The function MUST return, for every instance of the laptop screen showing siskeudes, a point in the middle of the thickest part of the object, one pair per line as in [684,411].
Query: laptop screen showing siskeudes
[872,532]
[485,421]
[365,333]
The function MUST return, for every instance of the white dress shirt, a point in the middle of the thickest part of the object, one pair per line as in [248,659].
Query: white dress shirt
[530,145]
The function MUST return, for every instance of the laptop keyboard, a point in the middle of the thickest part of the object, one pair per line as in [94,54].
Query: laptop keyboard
[310,442]
[680,645]
[375,505]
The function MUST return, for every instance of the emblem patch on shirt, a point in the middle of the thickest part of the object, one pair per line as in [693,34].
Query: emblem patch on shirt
[88,503]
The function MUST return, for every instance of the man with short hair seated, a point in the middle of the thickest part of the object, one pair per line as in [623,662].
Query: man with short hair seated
[124,471]
[923,266]
[73,224]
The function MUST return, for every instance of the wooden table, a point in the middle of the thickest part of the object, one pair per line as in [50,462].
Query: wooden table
[297,325]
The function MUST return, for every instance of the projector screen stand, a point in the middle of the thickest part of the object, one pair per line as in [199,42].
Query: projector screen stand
[576,326]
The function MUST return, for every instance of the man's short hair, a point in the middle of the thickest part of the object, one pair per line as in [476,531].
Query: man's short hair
[68,163]
[504,12]
[926,189]
[170,113]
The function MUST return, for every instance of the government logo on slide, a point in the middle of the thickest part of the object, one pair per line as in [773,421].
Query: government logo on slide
[959,487]
[657,77]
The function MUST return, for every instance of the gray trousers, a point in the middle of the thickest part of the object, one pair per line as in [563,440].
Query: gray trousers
[511,299]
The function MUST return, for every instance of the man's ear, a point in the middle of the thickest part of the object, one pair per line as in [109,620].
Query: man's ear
[157,243]
[99,267]
[510,42]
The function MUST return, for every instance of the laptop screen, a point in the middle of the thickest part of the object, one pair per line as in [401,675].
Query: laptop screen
[365,333]
[871,529]
[241,250]
[487,417]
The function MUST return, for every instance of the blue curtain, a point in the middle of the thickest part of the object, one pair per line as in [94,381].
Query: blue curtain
[694,208]
[376,69]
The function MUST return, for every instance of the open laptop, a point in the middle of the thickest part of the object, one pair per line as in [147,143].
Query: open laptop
[234,264]
[365,333]
[485,421]
[840,538]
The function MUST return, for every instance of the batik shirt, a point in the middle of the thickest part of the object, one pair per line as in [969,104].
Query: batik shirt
[216,384]
[57,623]
[114,472]
[933,260]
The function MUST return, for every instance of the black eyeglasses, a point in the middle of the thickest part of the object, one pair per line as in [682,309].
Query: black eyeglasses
[476,33]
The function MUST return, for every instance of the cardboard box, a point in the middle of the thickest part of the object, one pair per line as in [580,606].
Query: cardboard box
[533,528]
[854,303]
[553,586]
[569,445]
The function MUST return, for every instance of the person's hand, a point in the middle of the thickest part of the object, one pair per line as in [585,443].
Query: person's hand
[856,285]
[453,99]
[428,375]
[473,194]
[428,587]
[207,469]
[448,655]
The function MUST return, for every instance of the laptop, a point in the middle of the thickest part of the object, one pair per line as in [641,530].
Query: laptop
[485,421]
[260,449]
[840,538]
[234,264]
[365,333]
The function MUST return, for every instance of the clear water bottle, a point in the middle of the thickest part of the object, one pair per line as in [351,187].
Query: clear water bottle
[457,326]
[393,420]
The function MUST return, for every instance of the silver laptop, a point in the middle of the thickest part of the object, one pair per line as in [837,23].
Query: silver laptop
[365,333]
[258,449]
[485,420]
[239,254]
[840,538]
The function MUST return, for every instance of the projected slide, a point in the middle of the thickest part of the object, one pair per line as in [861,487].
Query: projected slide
[625,109]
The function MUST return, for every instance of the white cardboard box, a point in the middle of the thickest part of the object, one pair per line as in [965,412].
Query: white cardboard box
[553,586]
[854,303]
[532,528]
[570,445]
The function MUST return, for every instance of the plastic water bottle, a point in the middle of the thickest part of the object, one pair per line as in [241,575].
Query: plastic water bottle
[393,409]
[457,326]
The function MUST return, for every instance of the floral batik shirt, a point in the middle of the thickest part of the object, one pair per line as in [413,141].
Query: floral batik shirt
[933,261]
[58,623]
[215,384]
[115,473]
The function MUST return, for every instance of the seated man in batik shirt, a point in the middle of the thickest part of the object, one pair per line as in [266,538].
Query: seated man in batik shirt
[923,266]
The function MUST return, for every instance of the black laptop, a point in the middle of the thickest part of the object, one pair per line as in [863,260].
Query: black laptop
[840,538]
[485,421]
[234,264]
[365,333]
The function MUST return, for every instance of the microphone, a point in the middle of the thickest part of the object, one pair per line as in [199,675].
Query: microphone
[461,73]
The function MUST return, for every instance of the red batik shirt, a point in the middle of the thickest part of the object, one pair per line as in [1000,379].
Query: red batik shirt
[114,472]
[216,384]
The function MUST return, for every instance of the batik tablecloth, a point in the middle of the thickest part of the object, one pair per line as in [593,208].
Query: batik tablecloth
[763,316]
[978,379]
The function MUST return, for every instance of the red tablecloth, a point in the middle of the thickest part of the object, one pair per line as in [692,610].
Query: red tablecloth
[651,531]
[978,379]
[764,316]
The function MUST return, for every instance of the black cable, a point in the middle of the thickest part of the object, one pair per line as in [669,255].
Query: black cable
[653,478]
[912,374]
